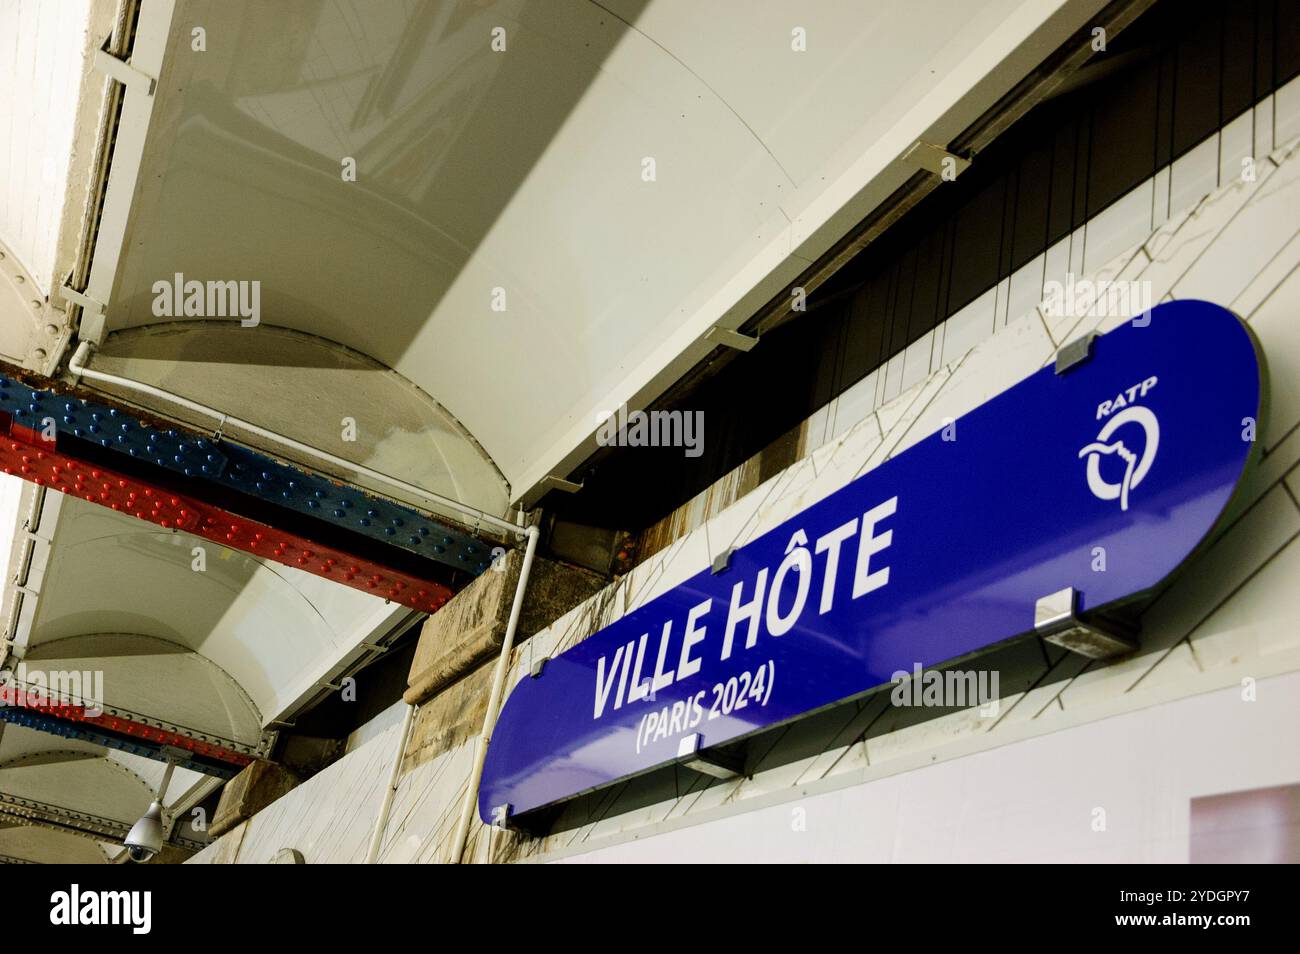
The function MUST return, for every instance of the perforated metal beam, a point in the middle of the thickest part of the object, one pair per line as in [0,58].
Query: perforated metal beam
[124,736]
[26,454]
[239,469]
[68,719]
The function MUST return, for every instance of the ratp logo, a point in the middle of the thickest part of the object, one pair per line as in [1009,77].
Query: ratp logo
[1136,460]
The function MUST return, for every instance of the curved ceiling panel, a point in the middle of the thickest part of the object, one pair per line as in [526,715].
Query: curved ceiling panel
[73,782]
[471,176]
[316,391]
[137,672]
[263,624]
[544,225]
[833,98]
[30,844]
[55,775]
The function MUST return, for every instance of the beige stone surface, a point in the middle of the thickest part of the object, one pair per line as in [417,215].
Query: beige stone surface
[257,786]
[449,718]
[472,627]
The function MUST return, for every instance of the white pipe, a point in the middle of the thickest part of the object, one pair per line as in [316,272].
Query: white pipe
[494,700]
[79,369]
[381,822]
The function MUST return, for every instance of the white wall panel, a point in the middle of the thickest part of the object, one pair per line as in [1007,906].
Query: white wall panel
[1236,144]
[1286,112]
[969,326]
[1194,174]
[916,360]
[1124,223]
[1025,289]
[1033,801]
[41,59]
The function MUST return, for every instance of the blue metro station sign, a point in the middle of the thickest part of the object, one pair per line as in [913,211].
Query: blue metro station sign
[942,551]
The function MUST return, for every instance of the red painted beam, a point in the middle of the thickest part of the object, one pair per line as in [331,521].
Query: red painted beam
[25,454]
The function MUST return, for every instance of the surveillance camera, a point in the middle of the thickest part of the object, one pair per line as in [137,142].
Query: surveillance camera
[145,839]
[139,854]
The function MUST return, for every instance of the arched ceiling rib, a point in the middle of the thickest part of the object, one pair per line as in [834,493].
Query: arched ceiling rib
[359,410]
[81,785]
[144,675]
[32,844]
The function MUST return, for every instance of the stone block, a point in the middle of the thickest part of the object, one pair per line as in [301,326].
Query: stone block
[258,785]
[472,626]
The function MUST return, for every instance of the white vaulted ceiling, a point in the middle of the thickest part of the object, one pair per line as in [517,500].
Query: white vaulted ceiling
[217,647]
[70,780]
[522,170]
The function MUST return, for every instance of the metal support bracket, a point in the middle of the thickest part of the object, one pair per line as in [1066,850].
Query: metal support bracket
[722,560]
[89,306]
[936,159]
[708,763]
[552,482]
[728,338]
[124,72]
[1056,620]
[1074,353]
[535,671]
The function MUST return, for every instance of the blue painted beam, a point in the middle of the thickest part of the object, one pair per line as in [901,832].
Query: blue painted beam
[244,470]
